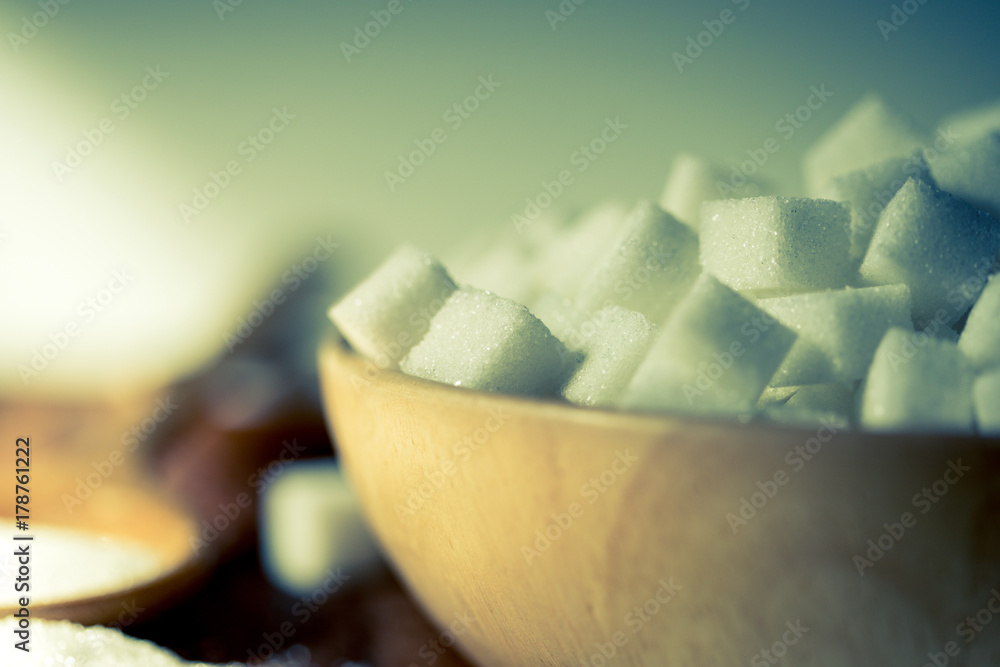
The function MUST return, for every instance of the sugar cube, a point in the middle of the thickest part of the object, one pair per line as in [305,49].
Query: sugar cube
[777,243]
[869,189]
[693,180]
[986,399]
[938,245]
[390,311]
[613,352]
[917,382]
[971,170]
[311,526]
[838,331]
[868,133]
[648,268]
[715,354]
[980,340]
[562,266]
[564,320]
[482,341]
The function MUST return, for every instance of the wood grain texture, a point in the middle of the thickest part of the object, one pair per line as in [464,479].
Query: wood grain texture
[560,530]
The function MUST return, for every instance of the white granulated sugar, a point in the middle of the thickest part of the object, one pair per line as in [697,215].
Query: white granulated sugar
[66,644]
[867,133]
[68,564]
[616,348]
[986,400]
[390,311]
[971,170]
[777,243]
[481,341]
[693,180]
[869,190]
[648,268]
[838,331]
[715,354]
[980,339]
[938,245]
[312,528]
[917,382]
[562,266]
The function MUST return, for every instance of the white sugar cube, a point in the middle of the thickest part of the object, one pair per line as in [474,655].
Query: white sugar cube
[693,180]
[562,266]
[917,382]
[838,331]
[564,320]
[869,132]
[938,245]
[503,264]
[869,190]
[613,352]
[482,341]
[648,268]
[986,399]
[777,243]
[971,170]
[311,526]
[715,354]
[390,311]
[980,340]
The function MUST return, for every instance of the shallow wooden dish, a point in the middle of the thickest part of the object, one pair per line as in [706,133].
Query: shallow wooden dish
[536,532]
[124,512]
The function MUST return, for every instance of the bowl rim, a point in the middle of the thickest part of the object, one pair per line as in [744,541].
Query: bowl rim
[396,381]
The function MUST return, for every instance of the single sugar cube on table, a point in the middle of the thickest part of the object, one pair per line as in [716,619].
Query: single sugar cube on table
[311,526]
[986,399]
[693,180]
[869,190]
[762,243]
[648,268]
[838,331]
[869,132]
[715,354]
[479,340]
[938,245]
[613,352]
[971,170]
[917,382]
[390,311]
[980,339]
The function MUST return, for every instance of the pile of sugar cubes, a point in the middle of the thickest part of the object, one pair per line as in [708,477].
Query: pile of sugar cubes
[871,303]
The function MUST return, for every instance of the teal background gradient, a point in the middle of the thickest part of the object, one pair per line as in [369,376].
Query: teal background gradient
[325,172]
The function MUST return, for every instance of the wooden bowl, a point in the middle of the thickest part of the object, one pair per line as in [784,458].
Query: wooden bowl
[537,532]
[121,513]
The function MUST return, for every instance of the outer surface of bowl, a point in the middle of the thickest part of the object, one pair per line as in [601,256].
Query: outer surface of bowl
[542,533]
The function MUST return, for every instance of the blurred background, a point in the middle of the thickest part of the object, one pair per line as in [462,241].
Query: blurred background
[141,197]
[171,174]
